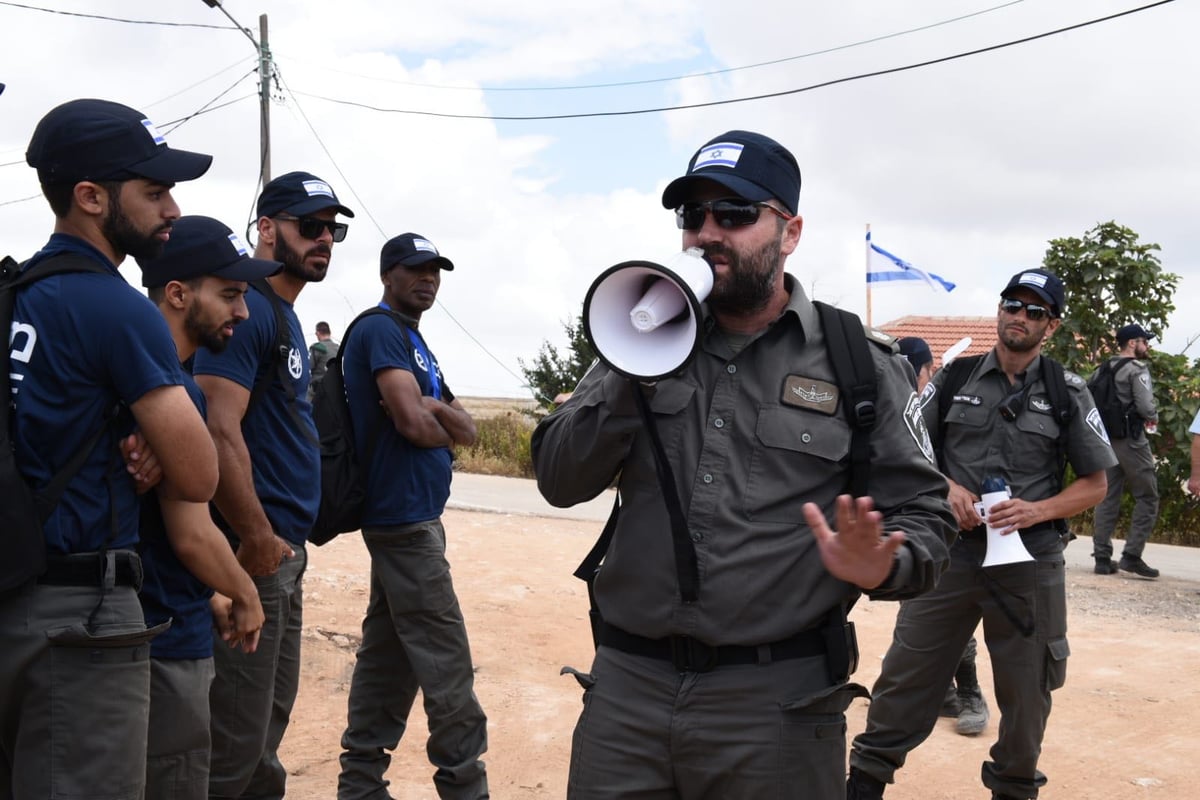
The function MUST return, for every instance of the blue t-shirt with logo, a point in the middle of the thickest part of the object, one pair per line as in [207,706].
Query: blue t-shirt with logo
[169,590]
[282,441]
[79,343]
[405,483]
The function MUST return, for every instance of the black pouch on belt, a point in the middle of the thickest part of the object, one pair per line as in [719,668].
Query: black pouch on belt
[841,645]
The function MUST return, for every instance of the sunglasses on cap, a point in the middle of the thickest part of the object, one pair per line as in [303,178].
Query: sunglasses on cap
[1033,311]
[312,227]
[726,213]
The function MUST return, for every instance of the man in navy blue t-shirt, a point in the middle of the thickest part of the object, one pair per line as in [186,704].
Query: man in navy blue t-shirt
[199,284]
[270,487]
[414,636]
[74,639]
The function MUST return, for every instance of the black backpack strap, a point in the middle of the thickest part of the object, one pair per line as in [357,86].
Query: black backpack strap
[277,367]
[850,355]
[956,375]
[590,567]
[1064,409]
[377,423]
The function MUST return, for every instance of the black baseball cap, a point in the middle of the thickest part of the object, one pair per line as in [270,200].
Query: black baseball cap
[202,246]
[99,140]
[916,350]
[1043,283]
[753,166]
[1132,331]
[298,193]
[408,250]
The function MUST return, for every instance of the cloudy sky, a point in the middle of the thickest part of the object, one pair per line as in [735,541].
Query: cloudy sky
[965,168]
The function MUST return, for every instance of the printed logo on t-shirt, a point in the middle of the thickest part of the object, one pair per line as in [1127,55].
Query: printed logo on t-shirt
[419,357]
[295,364]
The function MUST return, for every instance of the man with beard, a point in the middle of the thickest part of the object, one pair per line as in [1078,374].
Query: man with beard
[198,283]
[270,486]
[414,636]
[741,690]
[999,421]
[87,352]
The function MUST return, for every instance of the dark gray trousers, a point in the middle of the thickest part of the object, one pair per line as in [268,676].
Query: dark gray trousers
[414,637]
[73,703]
[1135,470]
[253,693]
[179,741]
[927,645]
[775,730]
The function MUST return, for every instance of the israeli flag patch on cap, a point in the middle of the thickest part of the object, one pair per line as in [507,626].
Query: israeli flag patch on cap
[424,244]
[721,154]
[153,131]
[238,245]
[1033,279]
[315,188]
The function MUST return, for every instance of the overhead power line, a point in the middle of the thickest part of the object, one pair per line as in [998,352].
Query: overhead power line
[767,96]
[118,19]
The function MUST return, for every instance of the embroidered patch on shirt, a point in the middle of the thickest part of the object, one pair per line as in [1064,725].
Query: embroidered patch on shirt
[914,420]
[810,393]
[973,399]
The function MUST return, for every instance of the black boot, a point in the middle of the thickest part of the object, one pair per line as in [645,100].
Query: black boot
[861,786]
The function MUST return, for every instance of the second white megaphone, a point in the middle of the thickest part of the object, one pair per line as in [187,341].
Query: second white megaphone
[643,318]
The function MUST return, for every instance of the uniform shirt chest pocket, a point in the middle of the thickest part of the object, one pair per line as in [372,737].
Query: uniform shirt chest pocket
[795,459]
[970,414]
[1038,418]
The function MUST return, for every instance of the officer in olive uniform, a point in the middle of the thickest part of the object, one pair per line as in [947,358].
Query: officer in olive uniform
[1136,467]
[1000,424]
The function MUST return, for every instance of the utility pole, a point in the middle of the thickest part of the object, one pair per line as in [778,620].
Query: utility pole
[266,71]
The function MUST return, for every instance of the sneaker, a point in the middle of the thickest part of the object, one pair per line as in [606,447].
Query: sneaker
[1105,566]
[861,786]
[974,716]
[1135,565]
[950,705]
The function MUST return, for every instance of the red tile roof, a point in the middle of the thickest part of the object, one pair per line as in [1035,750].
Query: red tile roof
[941,333]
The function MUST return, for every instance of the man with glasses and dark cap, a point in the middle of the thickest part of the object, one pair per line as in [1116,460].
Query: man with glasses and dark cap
[741,691]
[74,646]
[270,487]
[1135,468]
[995,418]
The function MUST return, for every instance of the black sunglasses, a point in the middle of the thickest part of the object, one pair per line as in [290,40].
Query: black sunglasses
[727,213]
[1033,311]
[311,227]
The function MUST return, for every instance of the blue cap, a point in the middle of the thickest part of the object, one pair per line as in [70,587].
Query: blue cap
[1133,331]
[916,350]
[98,140]
[752,166]
[202,246]
[409,250]
[1043,283]
[298,193]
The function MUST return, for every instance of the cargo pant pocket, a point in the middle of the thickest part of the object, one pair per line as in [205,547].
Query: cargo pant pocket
[1057,651]
[812,742]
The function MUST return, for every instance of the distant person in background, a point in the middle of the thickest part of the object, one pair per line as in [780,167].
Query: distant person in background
[1131,373]
[964,696]
[319,354]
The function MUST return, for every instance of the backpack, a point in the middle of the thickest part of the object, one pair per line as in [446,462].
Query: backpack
[343,474]
[1103,385]
[24,511]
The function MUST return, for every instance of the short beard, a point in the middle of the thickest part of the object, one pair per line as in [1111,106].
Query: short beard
[750,281]
[293,261]
[125,238]
[213,341]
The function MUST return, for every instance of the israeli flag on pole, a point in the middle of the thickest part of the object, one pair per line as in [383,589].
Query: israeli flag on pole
[883,267]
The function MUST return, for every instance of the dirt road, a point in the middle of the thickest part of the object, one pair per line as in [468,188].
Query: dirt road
[1124,726]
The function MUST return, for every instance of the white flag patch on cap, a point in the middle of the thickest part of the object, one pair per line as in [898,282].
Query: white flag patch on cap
[238,244]
[424,244]
[721,154]
[153,131]
[1033,279]
[318,187]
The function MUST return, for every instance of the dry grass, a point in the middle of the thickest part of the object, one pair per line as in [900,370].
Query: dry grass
[488,407]
[504,428]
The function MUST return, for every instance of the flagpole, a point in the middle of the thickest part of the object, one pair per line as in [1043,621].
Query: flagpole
[867,271]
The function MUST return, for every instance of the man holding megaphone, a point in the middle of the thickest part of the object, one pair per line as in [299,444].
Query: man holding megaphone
[723,650]
[1005,424]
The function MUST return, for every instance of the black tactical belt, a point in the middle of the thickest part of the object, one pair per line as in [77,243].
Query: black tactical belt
[691,655]
[87,569]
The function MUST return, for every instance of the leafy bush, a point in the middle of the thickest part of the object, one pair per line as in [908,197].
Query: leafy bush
[501,447]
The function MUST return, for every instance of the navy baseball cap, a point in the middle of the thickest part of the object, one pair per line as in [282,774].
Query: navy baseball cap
[1132,332]
[298,193]
[409,250]
[752,166]
[202,246]
[1043,283]
[98,140]
[916,350]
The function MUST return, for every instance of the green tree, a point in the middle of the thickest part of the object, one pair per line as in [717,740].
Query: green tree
[1112,279]
[552,373]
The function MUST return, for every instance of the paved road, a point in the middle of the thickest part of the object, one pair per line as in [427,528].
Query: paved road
[472,492]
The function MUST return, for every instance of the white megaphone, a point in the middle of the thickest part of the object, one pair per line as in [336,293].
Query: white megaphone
[1001,549]
[643,319]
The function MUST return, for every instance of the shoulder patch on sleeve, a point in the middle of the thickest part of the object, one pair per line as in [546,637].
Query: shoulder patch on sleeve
[1073,381]
[881,340]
